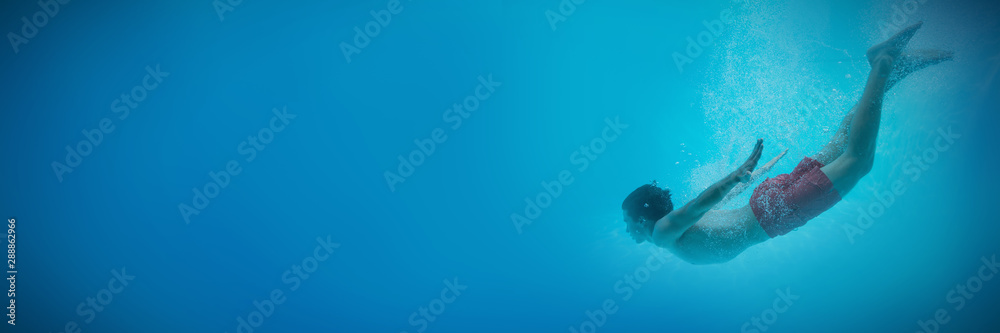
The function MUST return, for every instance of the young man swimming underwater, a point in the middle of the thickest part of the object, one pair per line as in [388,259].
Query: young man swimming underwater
[701,235]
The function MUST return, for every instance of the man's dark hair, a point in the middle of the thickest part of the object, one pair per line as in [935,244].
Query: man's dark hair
[647,204]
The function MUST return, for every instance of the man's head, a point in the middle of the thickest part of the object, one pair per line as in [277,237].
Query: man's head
[643,207]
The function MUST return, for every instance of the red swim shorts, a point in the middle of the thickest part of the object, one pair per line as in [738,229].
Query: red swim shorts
[788,201]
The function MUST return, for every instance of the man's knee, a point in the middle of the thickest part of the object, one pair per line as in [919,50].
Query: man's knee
[860,166]
[850,166]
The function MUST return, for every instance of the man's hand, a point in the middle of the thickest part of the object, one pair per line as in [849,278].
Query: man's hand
[683,218]
[744,172]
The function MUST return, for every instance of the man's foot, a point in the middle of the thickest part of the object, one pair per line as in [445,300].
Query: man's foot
[919,59]
[914,60]
[889,51]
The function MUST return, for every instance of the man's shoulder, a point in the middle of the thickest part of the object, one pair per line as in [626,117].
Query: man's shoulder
[668,228]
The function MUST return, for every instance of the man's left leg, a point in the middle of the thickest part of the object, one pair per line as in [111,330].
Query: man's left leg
[838,142]
[909,62]
[859,155]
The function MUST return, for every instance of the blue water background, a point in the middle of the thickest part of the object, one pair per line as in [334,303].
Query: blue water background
[785,71]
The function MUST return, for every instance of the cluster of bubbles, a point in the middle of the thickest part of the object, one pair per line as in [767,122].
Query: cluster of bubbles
[766,80]
[779,73]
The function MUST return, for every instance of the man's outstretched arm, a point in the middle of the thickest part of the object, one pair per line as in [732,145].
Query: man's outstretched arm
[683,218]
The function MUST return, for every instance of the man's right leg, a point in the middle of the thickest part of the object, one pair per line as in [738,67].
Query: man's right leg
[857,159]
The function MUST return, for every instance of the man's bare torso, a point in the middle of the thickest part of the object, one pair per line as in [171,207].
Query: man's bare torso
[719,236]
